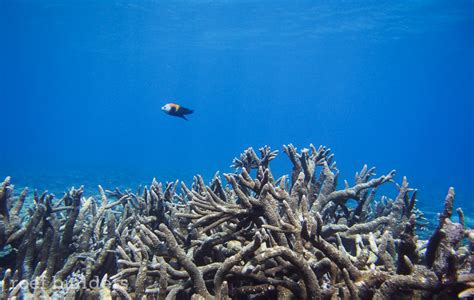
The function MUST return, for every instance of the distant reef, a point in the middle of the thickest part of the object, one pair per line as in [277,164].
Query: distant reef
[255,237]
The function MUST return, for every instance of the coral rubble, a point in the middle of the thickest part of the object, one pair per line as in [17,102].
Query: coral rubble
[296,237]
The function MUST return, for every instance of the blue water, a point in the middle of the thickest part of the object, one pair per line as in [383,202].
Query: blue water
[387,83]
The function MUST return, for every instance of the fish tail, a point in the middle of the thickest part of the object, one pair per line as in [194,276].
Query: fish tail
[186,111]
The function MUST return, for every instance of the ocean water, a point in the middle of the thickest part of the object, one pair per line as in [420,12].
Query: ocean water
[384,83]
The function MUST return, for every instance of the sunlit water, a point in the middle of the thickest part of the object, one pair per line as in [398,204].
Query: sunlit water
[389,84]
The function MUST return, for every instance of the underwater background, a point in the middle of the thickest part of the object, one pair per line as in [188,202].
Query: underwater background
[383,83]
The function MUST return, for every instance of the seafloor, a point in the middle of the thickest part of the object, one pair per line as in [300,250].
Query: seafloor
[256,237]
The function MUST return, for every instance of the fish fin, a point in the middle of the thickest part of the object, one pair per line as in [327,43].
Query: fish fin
[182,116]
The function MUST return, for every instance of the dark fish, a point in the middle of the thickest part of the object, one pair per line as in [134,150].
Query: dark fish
[176,110]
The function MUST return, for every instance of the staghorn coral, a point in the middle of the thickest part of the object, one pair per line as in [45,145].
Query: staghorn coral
[257,236]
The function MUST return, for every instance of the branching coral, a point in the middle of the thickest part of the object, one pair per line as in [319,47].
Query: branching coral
[257,236]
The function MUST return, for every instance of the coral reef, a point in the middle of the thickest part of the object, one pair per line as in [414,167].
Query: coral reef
[296,237]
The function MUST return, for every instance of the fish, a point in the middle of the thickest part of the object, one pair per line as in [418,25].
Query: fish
[176,110]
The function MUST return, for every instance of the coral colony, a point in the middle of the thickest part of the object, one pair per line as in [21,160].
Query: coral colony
[255,237]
